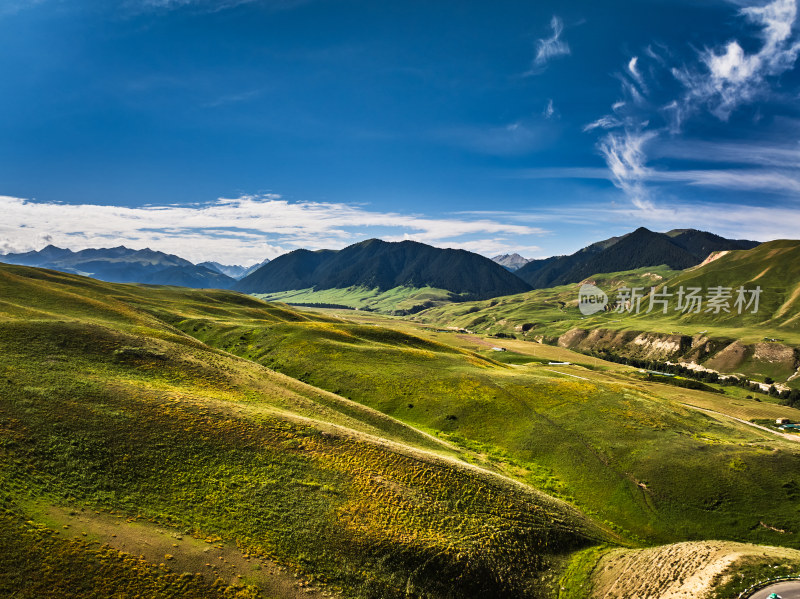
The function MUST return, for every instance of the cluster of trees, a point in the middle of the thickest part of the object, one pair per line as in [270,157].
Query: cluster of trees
[789,397]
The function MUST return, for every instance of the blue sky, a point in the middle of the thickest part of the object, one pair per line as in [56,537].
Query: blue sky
[240,129]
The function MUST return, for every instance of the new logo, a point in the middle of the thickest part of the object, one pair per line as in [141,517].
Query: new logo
[591,299]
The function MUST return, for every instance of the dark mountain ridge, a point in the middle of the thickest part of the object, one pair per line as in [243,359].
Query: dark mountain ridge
[385,265]
[678,249]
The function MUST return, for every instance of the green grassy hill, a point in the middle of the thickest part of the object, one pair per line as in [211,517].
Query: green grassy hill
[397,301]
[107,407]
[368,459]
[641,462]
[540,314]
[758,342]
[772,266]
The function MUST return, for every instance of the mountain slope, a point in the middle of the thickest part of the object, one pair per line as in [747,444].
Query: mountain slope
[756,341]
[108,408]
[198,277]
[383,265]
[124,265]
[581,433]
[678,249]
[773,266]
[702,243]
[159,404]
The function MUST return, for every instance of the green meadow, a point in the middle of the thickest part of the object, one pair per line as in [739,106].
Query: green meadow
[367,456]
[107,406]
[399,300]
[549,313]
[646,466]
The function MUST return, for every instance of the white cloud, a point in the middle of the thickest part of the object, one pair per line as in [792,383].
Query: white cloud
[759,153]
[721,80]
[624,153]
[736,180]
[550,47]
[604,122]
[636,74]
[549,110]
[231,230]
[732,77]
[655,55]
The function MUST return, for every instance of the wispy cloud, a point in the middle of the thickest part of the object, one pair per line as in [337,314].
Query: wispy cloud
[10,7]
[730,77]
[625,156]
[757,153]
[238,230]
[206,6]
[549,47]
[719,81]
[549,110]
[633,69]
[518,137]
[735,180]
[604,122]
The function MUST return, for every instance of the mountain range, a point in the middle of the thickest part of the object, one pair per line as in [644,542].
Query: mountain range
[376,264]
[678,249]
[124,265]
[381,265]
[234,271]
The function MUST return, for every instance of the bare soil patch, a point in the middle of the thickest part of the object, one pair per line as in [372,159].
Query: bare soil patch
[680,571]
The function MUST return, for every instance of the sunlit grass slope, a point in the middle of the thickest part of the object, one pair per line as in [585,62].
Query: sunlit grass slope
[104,403]
[773,266]
[637,459]
[542,313]
[399,300]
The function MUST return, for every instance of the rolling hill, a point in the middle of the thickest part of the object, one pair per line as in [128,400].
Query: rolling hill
[109,413]
[761,343]
[677,249]
[376,264]
[369,461]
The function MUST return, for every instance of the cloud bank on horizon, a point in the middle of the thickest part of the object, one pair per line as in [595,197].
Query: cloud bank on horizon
[245,229]
[534,128]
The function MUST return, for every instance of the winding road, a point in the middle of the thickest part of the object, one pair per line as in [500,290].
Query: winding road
[787,590]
